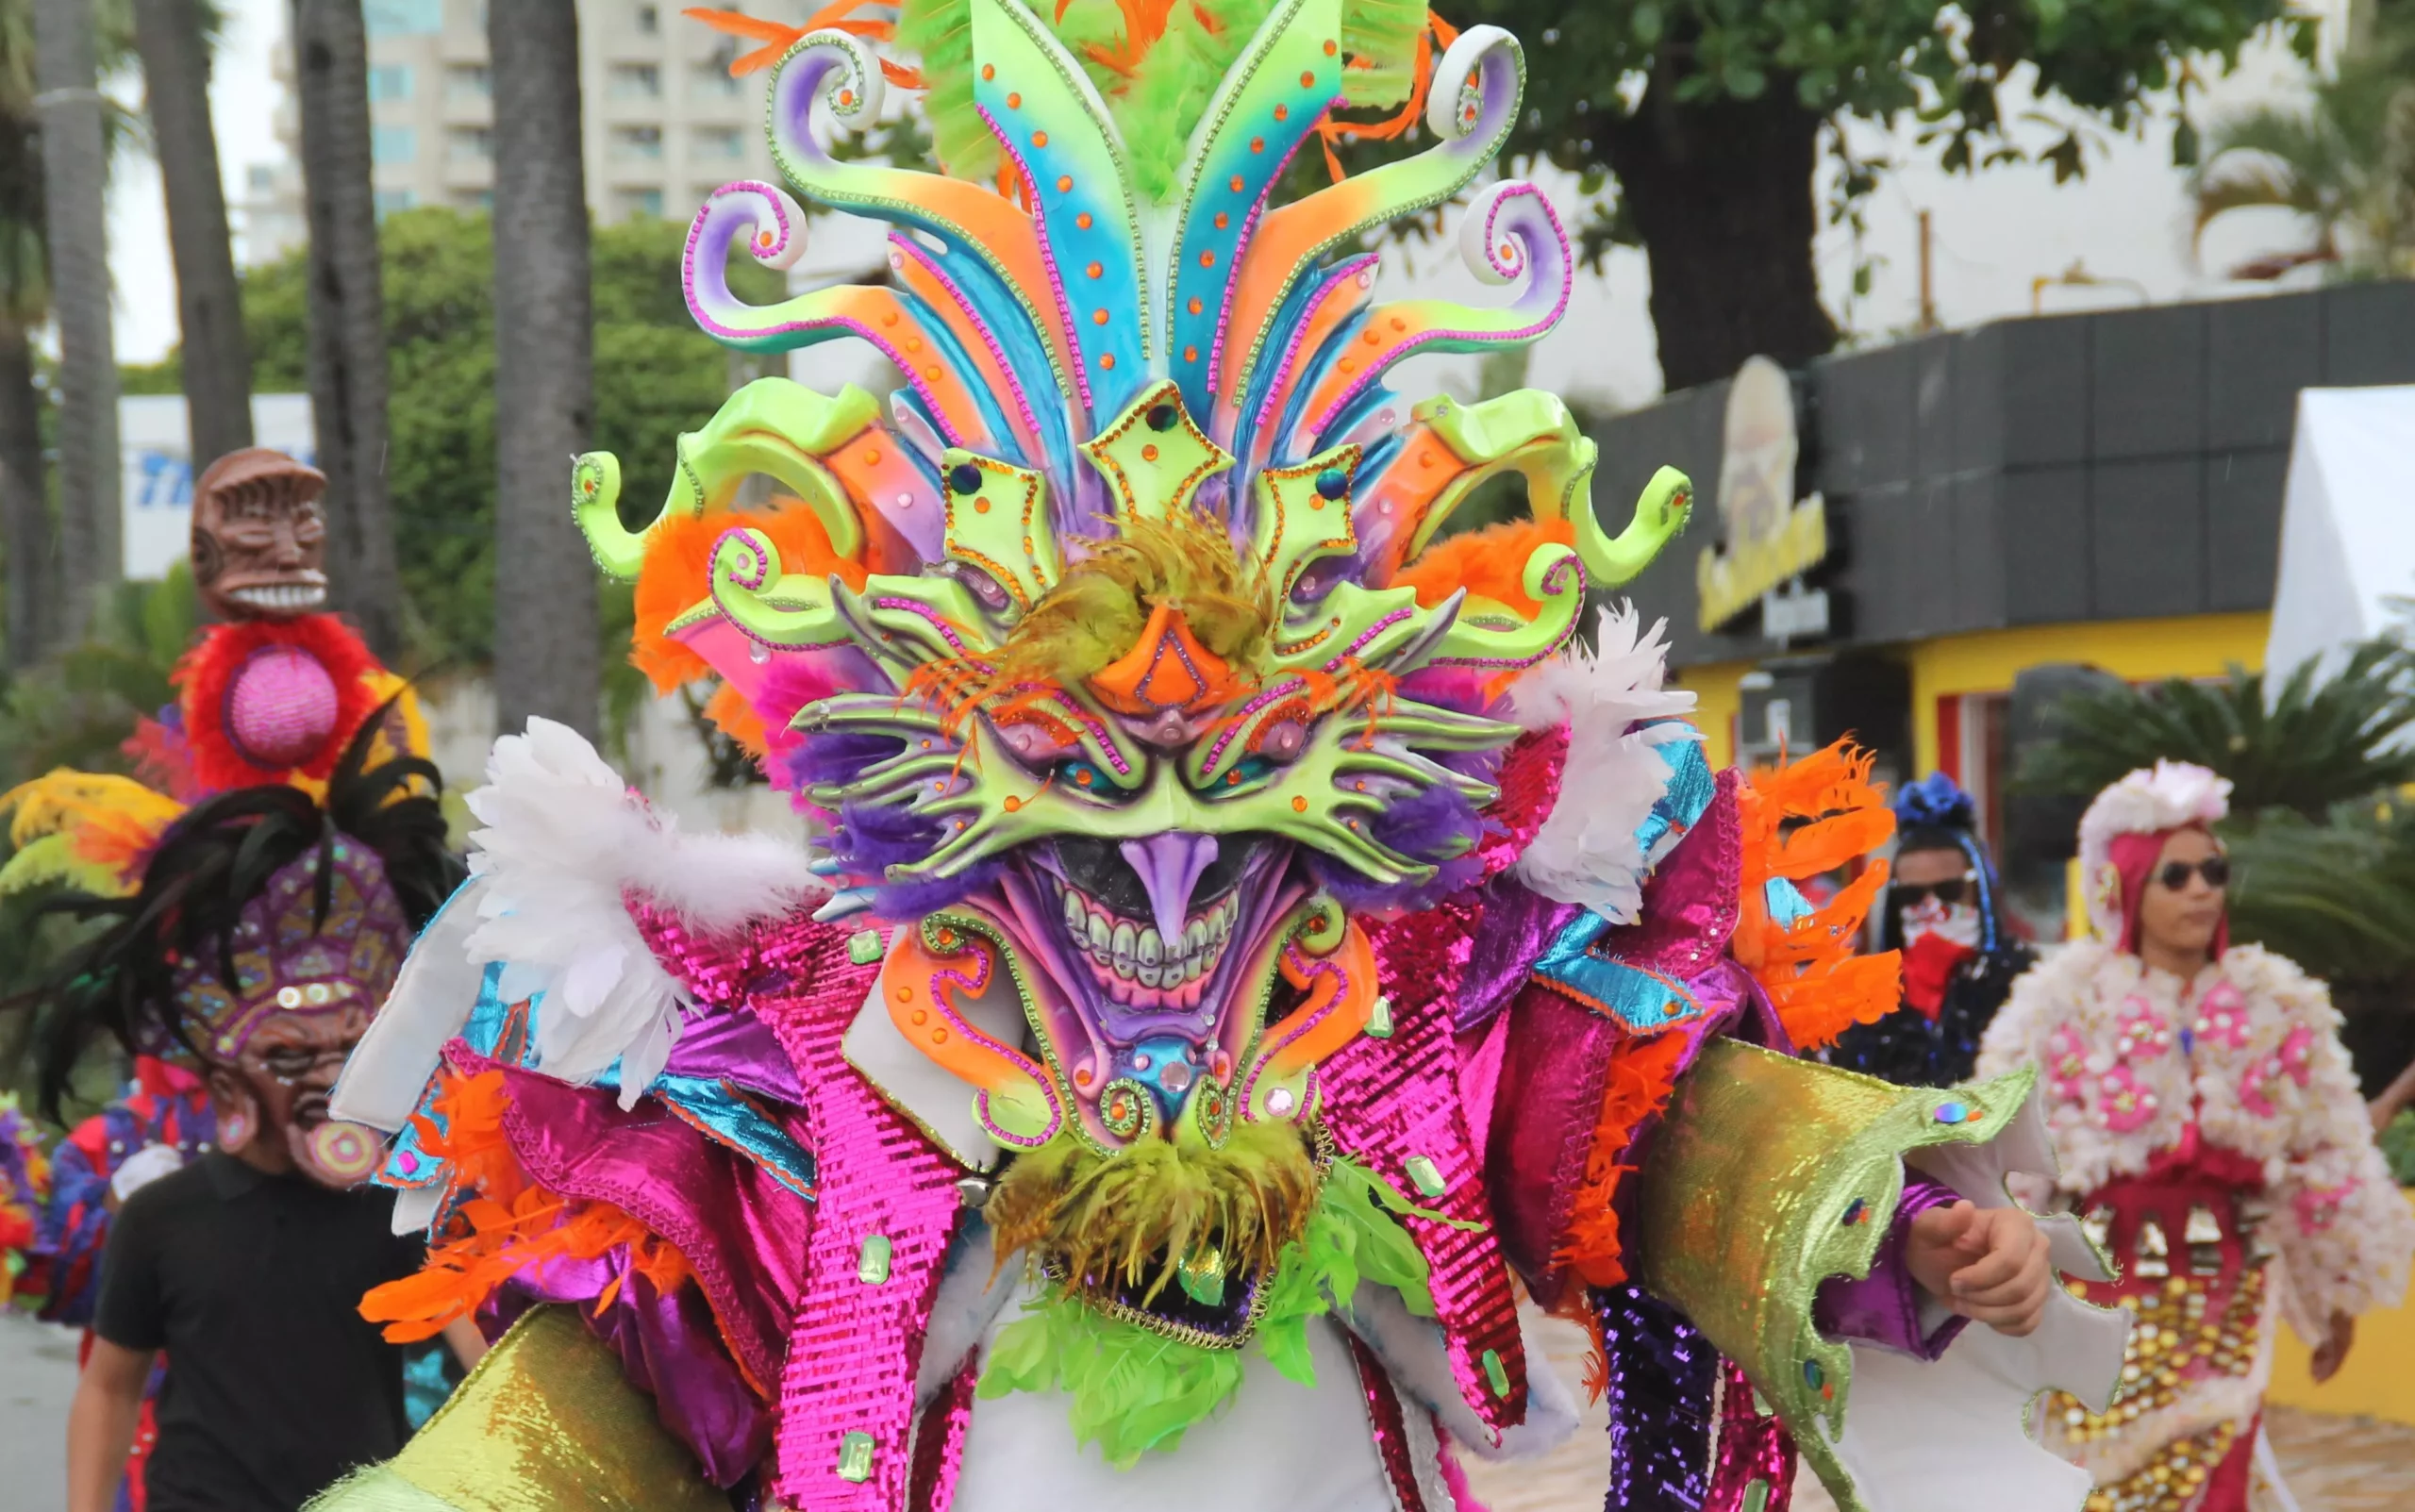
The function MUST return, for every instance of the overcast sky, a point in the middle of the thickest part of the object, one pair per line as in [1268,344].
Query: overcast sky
[1994,233]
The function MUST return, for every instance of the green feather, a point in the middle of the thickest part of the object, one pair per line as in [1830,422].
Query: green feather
[1133,1390]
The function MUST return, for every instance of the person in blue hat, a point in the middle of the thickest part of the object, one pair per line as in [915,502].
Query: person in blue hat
[1960,957]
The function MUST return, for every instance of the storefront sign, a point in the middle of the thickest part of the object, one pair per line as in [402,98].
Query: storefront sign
[1773,538]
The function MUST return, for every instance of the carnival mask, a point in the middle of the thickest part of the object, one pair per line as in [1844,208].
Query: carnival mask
[309,968]
[1114,660]
[259,536]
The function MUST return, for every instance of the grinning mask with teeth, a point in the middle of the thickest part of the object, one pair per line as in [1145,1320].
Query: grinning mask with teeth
[259,537]
[1114,656]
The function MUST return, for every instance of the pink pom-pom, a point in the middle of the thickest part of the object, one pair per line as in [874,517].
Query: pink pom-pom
[280,707]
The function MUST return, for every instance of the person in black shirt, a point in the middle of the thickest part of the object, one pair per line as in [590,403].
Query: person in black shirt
[1959,956]
[265,931]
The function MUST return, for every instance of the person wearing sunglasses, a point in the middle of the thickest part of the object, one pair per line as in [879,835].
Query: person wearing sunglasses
[2208,1125]
[1959,957]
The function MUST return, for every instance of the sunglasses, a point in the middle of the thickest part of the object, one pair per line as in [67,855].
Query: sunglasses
[2214,868]
[1952,892]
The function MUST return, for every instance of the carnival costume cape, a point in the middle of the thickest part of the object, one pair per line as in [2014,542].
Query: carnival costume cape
[1243,932]
[1952,988]
[2213,1138]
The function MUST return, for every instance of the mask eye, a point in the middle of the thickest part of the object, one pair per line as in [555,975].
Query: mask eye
[1084,777]
[1247,773]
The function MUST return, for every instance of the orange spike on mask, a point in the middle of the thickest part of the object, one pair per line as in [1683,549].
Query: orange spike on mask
[1166,670]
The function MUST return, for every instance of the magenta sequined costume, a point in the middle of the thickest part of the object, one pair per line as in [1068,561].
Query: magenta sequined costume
[1245,937]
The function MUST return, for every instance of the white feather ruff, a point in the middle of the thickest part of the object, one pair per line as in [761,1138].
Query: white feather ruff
[2149,801]
[564,840]
[1586,850]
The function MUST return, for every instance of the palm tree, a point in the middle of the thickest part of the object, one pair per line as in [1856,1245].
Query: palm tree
[173,36]
[75,160]
[2315,743]
[545,657]
[347,307]
[2345,162]
[25,533]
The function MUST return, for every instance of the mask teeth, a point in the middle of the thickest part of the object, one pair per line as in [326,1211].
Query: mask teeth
[1135,965]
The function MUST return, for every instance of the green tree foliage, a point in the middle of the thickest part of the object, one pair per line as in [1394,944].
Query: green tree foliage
[76,707]
[2322,741]
[656,375]
[2345,161]
[2337,895]
[1707,115]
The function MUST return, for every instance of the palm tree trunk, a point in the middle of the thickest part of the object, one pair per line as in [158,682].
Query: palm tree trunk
[74,168]
[347,311]
[24,505]
[217,361]
[545,652]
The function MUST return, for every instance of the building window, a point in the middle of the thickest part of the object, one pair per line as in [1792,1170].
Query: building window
[388,82]
[473,201]
[712,80]
[390,200]
[646,201]
[635,81]
[467,81]
[649,20]
[637,141]
[393,144]
[715,143]
[261,178]
[403,18]
[468,144]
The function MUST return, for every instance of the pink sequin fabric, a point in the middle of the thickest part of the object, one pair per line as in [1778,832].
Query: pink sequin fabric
[857,1341]
[1753,1448]
[1393,1104]
[939,1446]
[280,707]
[1385,1424]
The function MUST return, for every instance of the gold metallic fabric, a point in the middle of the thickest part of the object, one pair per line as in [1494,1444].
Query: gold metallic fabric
[1769,1175]
[546,1423]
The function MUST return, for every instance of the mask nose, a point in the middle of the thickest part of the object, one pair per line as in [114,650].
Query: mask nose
[1169,866]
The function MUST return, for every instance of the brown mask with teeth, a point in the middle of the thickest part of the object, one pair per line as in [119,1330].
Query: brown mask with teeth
[259,537]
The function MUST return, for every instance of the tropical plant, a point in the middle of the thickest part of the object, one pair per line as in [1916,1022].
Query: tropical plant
[2345,161]
[175,38]
[348,362]
[1712,116]
[2319,740]
[545,659]
[77,709]
[2336,894]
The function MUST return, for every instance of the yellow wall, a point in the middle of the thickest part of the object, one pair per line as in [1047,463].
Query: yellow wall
[2376,1382]
[1718,701]
[2203,645]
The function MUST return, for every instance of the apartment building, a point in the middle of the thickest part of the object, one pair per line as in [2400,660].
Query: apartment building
[665,123]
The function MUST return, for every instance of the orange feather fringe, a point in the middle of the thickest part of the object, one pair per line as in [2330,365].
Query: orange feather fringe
[1489,563]
[677,576]
[512,1225]
[1800,821]
[1642,1075]
[778,39]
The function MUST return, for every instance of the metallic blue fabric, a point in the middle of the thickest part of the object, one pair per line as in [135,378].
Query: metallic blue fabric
[1638,999]
[1692,786]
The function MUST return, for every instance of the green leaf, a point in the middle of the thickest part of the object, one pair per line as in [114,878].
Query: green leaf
[2184,143]
[1744,81]
[1646,22]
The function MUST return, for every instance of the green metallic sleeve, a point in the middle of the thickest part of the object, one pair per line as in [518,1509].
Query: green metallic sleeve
[546,1423]
[1771,1174]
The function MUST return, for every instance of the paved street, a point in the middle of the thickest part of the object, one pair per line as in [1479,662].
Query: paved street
[2333,1464]
[37,1376]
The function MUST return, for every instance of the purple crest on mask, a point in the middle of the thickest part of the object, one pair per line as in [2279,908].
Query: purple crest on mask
[290,958]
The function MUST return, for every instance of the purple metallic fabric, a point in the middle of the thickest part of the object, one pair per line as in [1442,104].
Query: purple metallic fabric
[734,1046]
[742,1232]
[668,1348]
[1389,1101]
[1518,923]
[1883,1307]
[1692,900]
